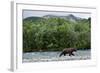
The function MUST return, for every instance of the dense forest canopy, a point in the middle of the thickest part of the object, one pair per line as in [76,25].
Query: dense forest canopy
[54,33]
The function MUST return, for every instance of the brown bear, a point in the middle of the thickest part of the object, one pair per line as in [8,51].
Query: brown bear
[68,51]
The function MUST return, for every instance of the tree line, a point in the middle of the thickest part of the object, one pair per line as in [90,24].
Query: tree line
[55,34]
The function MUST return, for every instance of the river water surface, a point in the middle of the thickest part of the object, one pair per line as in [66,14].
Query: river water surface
[54,56]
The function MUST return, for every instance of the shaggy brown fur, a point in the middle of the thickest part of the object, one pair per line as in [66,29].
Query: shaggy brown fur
[68,51]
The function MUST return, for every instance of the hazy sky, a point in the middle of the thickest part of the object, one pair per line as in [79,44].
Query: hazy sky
[29,13]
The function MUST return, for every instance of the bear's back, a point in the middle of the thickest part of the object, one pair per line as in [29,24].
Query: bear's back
[69,49]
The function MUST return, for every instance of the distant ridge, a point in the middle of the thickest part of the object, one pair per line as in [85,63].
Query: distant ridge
[32,18]
[70,17]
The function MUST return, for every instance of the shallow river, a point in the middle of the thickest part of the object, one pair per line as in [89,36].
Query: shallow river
[54,56]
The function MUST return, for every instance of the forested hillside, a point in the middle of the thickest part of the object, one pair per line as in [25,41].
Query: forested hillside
[54,33]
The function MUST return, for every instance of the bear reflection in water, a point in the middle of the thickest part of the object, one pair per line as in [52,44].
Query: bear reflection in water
[68,51]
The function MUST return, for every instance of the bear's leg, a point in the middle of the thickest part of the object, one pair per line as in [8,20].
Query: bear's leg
[69,54]
[64,54]
[72,54]
[61,54]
